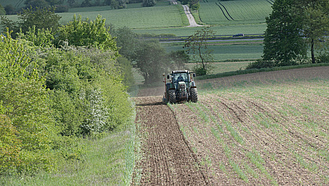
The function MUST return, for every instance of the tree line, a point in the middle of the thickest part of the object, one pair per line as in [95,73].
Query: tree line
[62,82]
[65,5]
[57,84]
[294,28]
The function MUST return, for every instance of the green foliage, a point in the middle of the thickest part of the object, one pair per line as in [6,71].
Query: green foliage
[2,10]
[42,3]
[9,146]
[126,40]
[45,91]
[40,18]
[261,64]
[148,3]
[87,33]
[152,61]
[178,59]
[315,22]
[10,9]
[41,37]
[125,67]
[283,41]
[87,94]
[194,5]
[24,106]
[288,23]
[197,45]
[36,3]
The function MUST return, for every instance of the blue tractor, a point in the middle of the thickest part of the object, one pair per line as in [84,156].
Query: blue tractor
[180,86]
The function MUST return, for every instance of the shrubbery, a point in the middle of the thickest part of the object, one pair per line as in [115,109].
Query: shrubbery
[49,96]
[27,126]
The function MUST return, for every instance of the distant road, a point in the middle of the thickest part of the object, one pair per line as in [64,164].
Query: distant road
[218,40]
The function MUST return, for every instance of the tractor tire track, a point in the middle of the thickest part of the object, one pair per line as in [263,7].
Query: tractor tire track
[271,2]
[223,11]
[167,157]
[226,10]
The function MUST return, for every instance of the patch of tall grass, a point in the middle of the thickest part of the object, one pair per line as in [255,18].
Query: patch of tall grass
[106,159]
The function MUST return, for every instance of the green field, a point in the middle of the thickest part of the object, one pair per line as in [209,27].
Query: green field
[226,52]
[242,12]
[134,18]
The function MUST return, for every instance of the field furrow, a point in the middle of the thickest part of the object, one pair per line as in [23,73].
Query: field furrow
[167,158]
[267,128]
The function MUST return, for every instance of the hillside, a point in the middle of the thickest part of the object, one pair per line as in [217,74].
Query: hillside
[257,129]
[249,16]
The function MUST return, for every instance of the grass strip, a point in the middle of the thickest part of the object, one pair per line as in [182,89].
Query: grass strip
[239,72]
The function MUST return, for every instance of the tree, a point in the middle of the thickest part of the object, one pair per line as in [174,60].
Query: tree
[36,3]
[10,9]
[127,41]
[148,3]
[197,46]
[71,2]
[24,108]
[283,40]
[87,33]
[41,18]
[315,22]
[178,59]
[2,10]
[152,61]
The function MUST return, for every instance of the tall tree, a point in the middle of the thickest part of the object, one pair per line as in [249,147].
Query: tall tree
[315,22]
[283,40]
[2,10]
[152,61]
[197,46]
[40,18]
[87,33]
[148,3]
[127,41]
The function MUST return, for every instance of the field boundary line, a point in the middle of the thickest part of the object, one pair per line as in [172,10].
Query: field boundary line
[189,147]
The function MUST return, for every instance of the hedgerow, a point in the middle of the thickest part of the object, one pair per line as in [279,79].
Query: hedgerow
[26,124]
[49,96]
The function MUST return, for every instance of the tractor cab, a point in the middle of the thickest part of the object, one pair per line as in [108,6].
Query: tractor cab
[180,87]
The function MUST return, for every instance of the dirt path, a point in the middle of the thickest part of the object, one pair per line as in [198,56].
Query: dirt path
[167,157]
[190,16]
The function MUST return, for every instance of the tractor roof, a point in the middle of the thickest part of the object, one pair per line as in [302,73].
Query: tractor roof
[180,71]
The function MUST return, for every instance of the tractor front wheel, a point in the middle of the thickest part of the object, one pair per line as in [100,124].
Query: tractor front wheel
[172,96]
[194,95]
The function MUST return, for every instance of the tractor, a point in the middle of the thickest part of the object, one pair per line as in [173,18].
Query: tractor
[179,87]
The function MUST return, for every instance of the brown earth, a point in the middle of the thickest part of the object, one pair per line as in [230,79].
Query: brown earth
[261,77]
[167,156]
[238,138]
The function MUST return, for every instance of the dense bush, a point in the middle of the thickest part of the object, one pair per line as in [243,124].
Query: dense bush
[87,95]
[49,96]
[24,111]
[261,64]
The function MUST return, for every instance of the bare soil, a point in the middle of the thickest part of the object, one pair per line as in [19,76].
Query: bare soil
[167,156]
[265,136]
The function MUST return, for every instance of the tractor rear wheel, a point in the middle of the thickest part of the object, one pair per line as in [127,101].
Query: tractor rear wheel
[194,95]
[172,96]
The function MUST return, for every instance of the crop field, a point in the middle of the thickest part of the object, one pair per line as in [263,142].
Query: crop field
[258,129]
[153,17]
[222,67]
[234,12]
[224,52]
[168,19]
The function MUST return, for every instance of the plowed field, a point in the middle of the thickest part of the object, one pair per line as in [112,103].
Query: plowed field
[256,129]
